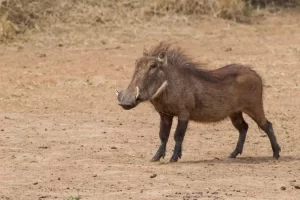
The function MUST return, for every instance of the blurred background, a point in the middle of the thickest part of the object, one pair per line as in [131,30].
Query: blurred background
[63,135]
[84,20]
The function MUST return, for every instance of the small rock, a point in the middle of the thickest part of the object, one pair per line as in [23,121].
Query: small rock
[263,136]
[153,176]
[35,183]
[2,129]
[113,47]
[297,186]
[42,55]
[58,178]
[228,49]
[44,197]
[113,147]
[96,80]
[283,188]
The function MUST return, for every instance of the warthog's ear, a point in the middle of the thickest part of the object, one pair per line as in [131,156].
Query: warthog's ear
[145,52]
[162,57]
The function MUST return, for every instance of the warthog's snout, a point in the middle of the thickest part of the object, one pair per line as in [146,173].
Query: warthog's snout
[127,100]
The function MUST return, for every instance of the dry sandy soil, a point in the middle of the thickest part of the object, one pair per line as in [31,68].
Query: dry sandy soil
[63,133]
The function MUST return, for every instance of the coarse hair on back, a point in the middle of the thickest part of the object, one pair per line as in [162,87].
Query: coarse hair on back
[178,59]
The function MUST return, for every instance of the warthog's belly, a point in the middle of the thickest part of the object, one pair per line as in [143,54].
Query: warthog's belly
[210,114]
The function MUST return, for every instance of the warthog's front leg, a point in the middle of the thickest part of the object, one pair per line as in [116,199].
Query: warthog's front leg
[179,135]
[164,132]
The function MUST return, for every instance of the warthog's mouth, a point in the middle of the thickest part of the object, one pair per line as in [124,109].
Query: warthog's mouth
[133,102]
[128,107]
[128,101]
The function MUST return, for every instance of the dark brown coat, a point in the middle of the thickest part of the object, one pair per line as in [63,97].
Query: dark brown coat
[177,86]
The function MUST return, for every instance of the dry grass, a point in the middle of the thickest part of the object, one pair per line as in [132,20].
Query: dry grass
[228,9]
[18,16]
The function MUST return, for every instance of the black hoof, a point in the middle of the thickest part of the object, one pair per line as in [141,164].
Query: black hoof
[234,154]
[156,158]
[159,154]
[174,158]
[276,153]
[176,154]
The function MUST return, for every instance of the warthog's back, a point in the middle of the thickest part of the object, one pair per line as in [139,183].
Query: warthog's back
[235,88]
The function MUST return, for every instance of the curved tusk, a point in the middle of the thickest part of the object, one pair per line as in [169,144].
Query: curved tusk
[137,93]
[117,92]
[160,89]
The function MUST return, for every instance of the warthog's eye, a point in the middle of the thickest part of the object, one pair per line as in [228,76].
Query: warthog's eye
[152,65]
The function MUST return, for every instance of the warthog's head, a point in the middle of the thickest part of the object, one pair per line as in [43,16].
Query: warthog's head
[148,81]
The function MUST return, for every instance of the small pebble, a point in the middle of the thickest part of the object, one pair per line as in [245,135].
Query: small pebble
[153,176]
[283,188]
[228,49]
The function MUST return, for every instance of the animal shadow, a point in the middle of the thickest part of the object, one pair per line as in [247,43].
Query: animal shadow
[241,160]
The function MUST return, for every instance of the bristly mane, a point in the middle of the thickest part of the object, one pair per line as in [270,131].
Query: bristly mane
[177,58]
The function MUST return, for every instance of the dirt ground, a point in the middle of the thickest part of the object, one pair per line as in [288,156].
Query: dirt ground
[63,133]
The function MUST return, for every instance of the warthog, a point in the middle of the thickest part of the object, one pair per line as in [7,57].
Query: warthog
[177,86]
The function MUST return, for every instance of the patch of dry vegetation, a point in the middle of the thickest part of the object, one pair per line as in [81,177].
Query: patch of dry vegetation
[17,16]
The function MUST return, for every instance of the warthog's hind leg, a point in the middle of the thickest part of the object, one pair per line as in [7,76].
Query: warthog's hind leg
[164,132]
[240,124]
[268,129]
[257,114]
[179,136]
